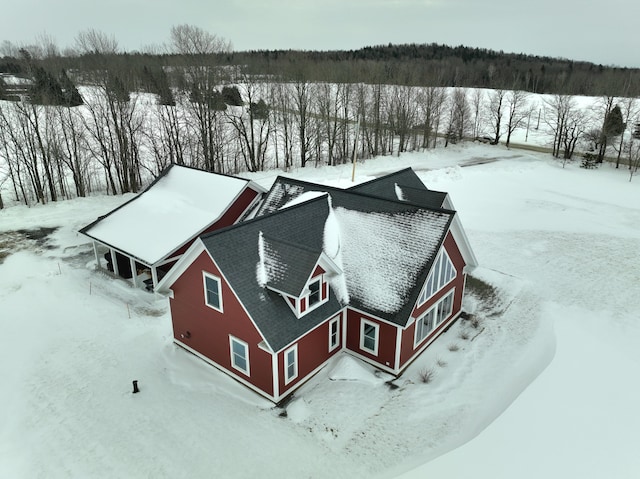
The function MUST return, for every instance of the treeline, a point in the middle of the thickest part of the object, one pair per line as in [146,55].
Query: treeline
[411,64]
[115,123]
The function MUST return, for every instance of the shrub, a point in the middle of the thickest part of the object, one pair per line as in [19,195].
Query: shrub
[453,347]
[427,375]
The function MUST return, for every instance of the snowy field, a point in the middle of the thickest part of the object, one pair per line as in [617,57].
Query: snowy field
[545,385]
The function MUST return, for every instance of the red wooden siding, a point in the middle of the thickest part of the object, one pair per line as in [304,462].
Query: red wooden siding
[209,329]
[229,217]
[313,351]
[386,338]
[407,350]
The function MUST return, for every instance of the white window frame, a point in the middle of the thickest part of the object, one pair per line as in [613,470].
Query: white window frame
[288,378]
[314,281]
[376,327]
[334,322]
[438,316]
[206,275]
[434,282]
[244,345]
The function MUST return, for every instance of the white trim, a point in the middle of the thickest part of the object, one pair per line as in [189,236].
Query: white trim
[441,260]
[399,332]
[181,266]
[265,347]
[205,275]
[287,378]
[418,352]
[95,252]
[316,279]
[462,241]
[302,382]
[114,262]
[376,318]
[154,276]
[335,320]
[376,327]
[297,340]
[436,324]
[169,260]
[233,339]
[275,377]
[229,372]
[372,361]
[134,272]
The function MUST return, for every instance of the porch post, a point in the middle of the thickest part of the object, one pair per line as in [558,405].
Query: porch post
[95,252]
[154,277]
[134,273]
[114,262]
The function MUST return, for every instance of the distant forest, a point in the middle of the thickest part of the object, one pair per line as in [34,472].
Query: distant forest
[99,119]
[411,64]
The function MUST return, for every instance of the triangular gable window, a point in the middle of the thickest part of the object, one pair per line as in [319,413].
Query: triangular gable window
[441,274]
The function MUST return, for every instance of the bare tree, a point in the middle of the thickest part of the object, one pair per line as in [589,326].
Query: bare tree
[458,116]
[97,42]
[477,97]
[431,100]
[302,105]
[251,124]
[496,112]
[202,77]
[518,111]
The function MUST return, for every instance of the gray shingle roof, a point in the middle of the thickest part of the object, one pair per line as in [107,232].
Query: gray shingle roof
[287,266]
[386,248]
[411,188]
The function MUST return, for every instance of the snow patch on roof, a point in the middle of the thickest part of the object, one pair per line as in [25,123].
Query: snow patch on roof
[271,266]
[332,247]
[383,254]
[181,204]
[306,196]
[399,193]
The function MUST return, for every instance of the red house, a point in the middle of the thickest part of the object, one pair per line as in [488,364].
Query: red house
[142,239]
[377,271]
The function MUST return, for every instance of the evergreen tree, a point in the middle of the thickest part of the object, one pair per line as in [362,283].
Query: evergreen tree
[116,88]
[46,90]
[613,126]
[231,96]
[260,110]
[70,94]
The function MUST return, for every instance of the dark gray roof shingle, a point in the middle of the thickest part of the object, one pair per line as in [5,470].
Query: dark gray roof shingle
[387,248]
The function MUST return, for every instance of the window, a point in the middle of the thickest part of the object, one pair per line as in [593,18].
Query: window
[425,325]
[434,317]
[445,306]
[334,333]
[212,295]
[290,364]
[369,336]
[239,355]
[441,274]
[314,295]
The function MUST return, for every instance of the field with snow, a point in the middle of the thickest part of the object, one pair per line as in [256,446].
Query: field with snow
[544,385]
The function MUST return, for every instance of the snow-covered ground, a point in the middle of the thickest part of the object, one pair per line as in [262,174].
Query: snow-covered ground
[544,386]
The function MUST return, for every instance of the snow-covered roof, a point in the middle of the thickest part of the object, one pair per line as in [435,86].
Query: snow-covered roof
[178,206]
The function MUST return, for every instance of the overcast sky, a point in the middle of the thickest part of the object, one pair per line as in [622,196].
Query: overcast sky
[599,31]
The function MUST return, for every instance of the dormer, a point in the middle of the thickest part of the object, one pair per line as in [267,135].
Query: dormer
[297,273]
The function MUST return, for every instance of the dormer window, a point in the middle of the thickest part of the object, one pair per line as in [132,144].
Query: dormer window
[314,294]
